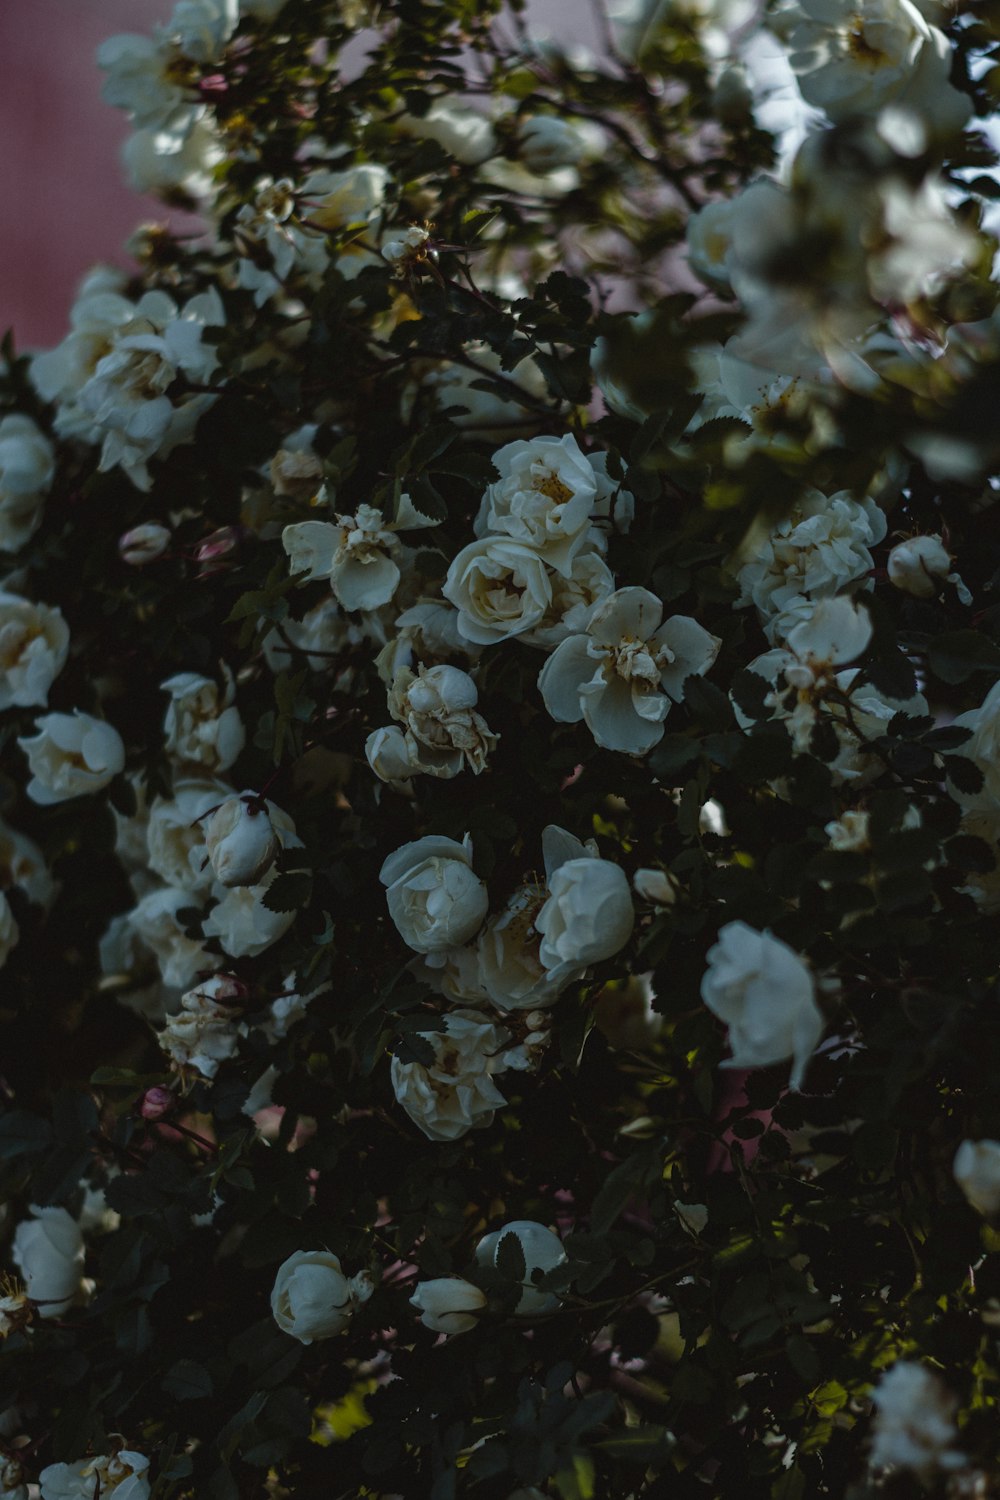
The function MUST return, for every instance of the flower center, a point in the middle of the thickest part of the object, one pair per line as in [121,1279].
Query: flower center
[637,661]
[553,488]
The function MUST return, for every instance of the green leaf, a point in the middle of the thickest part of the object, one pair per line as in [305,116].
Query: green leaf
[957,654]
[288,892]
[708,703]
[509,1258]
[187,1381]
[22,1134]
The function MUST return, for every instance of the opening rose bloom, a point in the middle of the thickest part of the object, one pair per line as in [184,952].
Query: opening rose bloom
[201,725]
[621,675]
[34,644]
[313,1299]
[71,754]
[766,995]
[448,1304]
[589,913]
[241,840]
[455,1092]
[544,497]
[122,1474]
[542,1251]
[48,1251]
[435,898]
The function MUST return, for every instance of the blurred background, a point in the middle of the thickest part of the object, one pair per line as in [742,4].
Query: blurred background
[64,203]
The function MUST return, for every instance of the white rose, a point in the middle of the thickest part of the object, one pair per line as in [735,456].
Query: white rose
[546,142]
[323,633]
[72,754]
[510,967]
[241,921]
[500,588]
[442,732]
[544,498]
[921,566]
[573,599]
[12,1476]
[359,556]
[27,467]
[448,1304]
[913,1426]
[175,834]
[313,1299]
[122,1474]
[48,1251]
[22,863]
[174,160]
[709,242]
[655,886]
[466,134]
[434,897]
[977,1172]
[154,922]
[587,917]
[202,725]
[492,413]
[542,1251]
[621,675]
[241,840]
[766,995]
[144,544]
[205,1031]
[454,1093]
[406,247]
[9,930]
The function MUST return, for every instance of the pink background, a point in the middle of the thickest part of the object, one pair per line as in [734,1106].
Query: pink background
[64,203]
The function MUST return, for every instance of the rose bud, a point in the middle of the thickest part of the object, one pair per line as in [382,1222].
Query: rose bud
[921,566]
[241,842]
[448,1304]
[156,1102]
[143,544]
[216,547]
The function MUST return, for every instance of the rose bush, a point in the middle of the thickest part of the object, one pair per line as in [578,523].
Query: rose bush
[499,729]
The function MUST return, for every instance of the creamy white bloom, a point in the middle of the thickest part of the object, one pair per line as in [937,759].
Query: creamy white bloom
[455,1093]
[544,497]
[542,1251]
[206,1030]
[313,1299]
[848,834]
[435,898]
[441,729]
[241,840]
[466,134]
[621,675]
[921,566]
[588,915]
[510,967]
[175,161]
[241,921]
[60,374]
[175,834]
[359,556]
[448,1304]
[655,886]
[34,644]
[143,544]
[405,247]
[154,923]
[72,754]
[977,1172]
[13,1484]
[547,142]
[589,583]
[914,1427]
[122,1474]
[709,242]
[323,633]
[492,412]
[9,930]
[203,725]
[27,467]
[815,551]
[48,1251]
[766,995]
[500,588]
[22,863]
[854,59]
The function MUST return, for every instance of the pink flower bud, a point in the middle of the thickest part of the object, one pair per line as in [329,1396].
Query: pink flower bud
[143,544]
[156,1102]
[214,548]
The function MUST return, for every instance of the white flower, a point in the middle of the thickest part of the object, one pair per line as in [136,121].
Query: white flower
[709,242]
[241,840]
[122,1474]
[622,674]
[510,968]
[454,1093]
[9,931]
[359,556]
[590,582]
[144,544]
[313,1299]
[340,199]
[71,754]
[60,374]
[154,923]
[546,142]
[201,725]
[12,1477]
[205,1031]
[442,732]
[27,466]
[848,834]
[48,1251]
[34,644]
[175,834]
[448,1304]
[493,413]
[466,134]
[172,160]
[815,551]
[434,897]
[22,863]
[766,995]
[913,1426]
[853,59]
[500,588]
[544,497]
[588,915]
[323,633]
[977,1172]
[131,414]
[542,1251]
[921,565]
[655,886]
[406,247]
[241,921]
